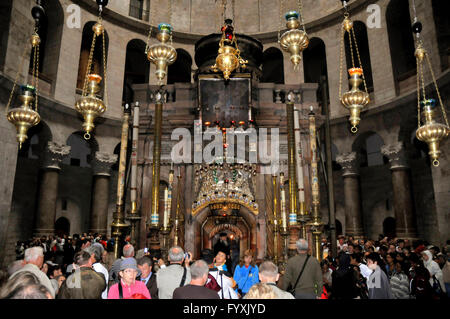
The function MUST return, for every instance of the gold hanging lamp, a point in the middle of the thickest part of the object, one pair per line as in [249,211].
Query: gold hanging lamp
[354,100]
[431,132]
[294,40]
[229,56]
[23,117]
[90,106]
[162,54]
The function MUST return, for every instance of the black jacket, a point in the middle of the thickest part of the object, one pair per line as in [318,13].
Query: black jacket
[152,286]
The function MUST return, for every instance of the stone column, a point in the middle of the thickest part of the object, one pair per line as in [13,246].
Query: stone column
[353,213]
[405,220]
[48,188]
[101,171]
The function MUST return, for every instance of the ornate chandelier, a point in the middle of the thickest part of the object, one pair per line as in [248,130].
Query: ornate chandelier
[431,132]
[23,117]
[89,105]
[162,54]
[294,40]
[354,100]
[229,57]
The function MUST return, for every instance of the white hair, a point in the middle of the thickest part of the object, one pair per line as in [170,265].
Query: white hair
[33,253]
[128,250]
[199,269]
[302,244]
[176,254]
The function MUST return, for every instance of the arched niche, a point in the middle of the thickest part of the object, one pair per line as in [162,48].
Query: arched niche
[137,69]
[5,13]
[272,66]
[82,151]
[315,65]
[441,17]
[368,146]
[181,70]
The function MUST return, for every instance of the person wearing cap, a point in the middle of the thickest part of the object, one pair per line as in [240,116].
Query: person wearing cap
[129,286]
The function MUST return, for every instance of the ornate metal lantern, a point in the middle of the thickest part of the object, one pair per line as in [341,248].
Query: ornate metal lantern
[89,105]
[354,100]
[162,54]
[294,40]
[24,117]
[229,57]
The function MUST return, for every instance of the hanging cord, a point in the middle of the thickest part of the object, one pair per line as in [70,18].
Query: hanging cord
[300,9]
[36,75]
[16,80]
[169,9]
[359,59]
[105,92]
[281,5]
[437,90]
[89,65]
[418,92]
[341,61]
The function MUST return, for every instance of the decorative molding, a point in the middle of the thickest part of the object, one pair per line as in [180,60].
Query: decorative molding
[54,154]
[101,165]
[396,154]
[349,163]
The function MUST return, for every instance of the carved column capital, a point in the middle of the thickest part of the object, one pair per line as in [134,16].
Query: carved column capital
[396,154]
[54,154]
[101,165]
[349,163]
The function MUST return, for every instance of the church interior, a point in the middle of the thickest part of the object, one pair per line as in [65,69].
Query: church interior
[352,96]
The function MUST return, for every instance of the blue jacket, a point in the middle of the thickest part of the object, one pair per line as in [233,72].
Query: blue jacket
[246,277]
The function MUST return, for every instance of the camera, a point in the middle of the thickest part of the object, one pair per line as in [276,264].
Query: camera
[145,250]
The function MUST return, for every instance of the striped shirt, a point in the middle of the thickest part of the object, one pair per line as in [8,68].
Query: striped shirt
[400,286]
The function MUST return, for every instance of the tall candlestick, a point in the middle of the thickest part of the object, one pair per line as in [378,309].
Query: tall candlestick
[300,183]
[166,206]
[134,147]
[283,203]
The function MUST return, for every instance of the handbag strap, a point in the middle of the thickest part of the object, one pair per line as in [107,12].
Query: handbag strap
[301,272]
[183,279]
[248,275]
[120,290]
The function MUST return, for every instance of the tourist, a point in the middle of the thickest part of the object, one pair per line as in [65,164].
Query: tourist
[174,275]
[96,252]
[268,274]
[436,279]
[219,281]
[246,273]
[344,279]
[261,291]
[399,282]
[84,282]
[390,264]
[303,274]
[378,283]
[128,286]
[24,285]
[128,252]
[220,261]
[145,265]
[33,262]
[196,288]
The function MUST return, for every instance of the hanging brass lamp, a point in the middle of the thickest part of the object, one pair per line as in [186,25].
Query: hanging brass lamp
[354,100]
[162,54]
[431,132]
[23,117]
[90,106]
[294,40]
[229,57]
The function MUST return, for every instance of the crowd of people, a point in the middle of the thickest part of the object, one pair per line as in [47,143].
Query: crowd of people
[84,267]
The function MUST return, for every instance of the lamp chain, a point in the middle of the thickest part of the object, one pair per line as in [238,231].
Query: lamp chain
[300,9]
[418,92]
[281,5]
[351,48]
[105,92]
[341,62]
[359,59]
[437,89]
[88,67]
[36,77]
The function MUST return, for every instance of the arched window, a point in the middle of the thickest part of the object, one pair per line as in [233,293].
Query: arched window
[5,13]
[139,9]
[441,17]
[368,145]
[97,58]
[338,228]
[62,226]
[137,69]
[389,227]
[363,47]
[273,66]
[315,65]
[180,70]
[401,40]
[81,151]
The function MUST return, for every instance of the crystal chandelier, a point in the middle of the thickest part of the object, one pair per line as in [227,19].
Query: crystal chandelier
[430,132]
[89,105]
[294,40]
[354,100]
[162,54]
[229,57]
[23,117]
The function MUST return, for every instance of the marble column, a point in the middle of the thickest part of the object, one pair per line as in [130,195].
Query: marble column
[353,211]
[48,188]
[405,220]
[101,171]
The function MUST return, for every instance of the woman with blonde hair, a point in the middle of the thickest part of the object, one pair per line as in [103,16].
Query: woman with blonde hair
[246,273]
[260,291]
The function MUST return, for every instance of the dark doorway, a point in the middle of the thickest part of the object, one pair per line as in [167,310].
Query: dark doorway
[62,226]
[338,228]
[389,227]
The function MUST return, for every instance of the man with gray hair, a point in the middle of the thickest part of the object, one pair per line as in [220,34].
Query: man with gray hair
[96,252]
[174,275]
[128,252]
[303,277]
[268,274]
[196,288]
[33,261]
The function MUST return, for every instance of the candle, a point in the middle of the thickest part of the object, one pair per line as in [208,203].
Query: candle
[283,203]
[166,208]
[134,147]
